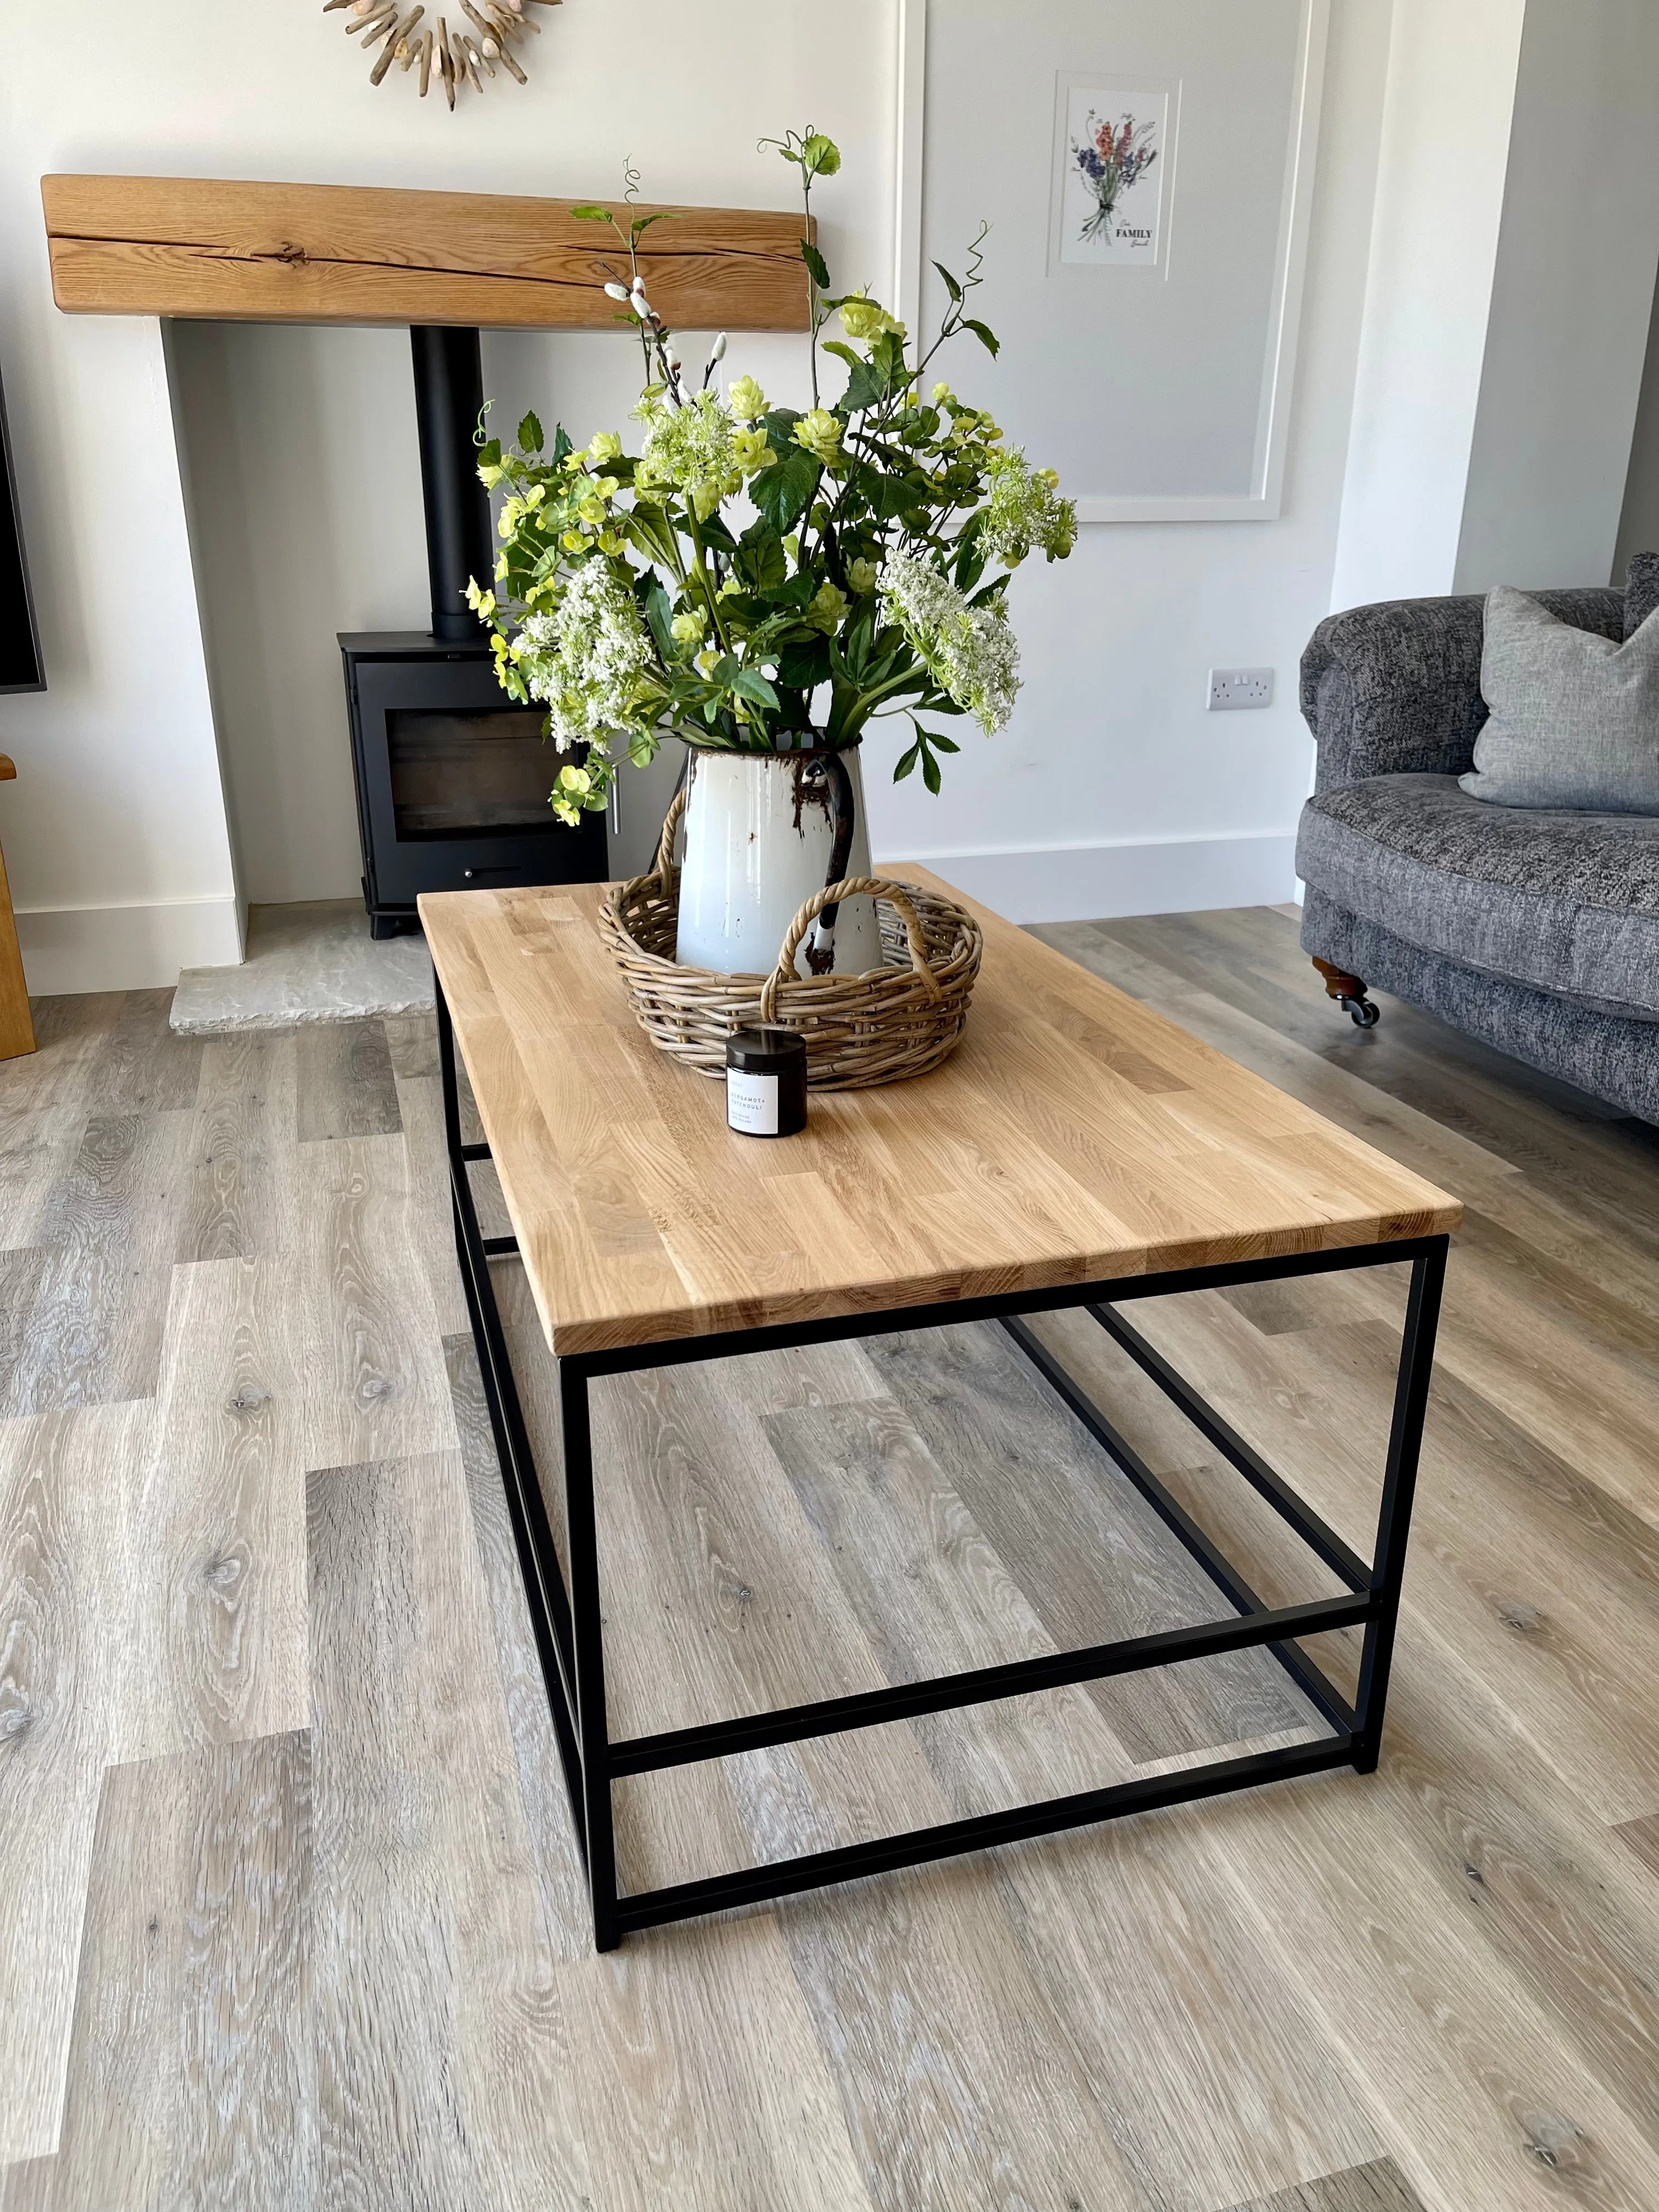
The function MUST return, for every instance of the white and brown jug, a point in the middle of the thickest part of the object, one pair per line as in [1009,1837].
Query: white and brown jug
[764,832]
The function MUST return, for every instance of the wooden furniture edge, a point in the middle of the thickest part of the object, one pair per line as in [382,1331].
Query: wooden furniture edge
[17,1022]
[239,249]
[786,1310]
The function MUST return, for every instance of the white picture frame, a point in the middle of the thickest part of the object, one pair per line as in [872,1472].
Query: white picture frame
[1260,496]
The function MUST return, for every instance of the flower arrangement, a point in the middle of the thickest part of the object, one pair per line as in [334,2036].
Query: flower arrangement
[1111,158]
[752,567]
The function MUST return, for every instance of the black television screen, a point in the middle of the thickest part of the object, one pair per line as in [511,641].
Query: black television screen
[20,642]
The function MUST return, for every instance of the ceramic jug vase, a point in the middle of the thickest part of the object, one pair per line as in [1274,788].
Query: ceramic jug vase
[764,833]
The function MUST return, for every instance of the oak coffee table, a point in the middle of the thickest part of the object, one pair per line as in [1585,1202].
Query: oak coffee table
[1076,1151]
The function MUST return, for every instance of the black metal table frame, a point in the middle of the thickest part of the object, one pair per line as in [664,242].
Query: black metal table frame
[566,1621]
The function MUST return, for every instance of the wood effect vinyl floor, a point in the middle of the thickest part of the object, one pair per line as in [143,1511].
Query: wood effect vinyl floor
[289,1908]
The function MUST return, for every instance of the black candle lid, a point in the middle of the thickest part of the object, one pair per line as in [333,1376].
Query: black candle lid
[765,1052]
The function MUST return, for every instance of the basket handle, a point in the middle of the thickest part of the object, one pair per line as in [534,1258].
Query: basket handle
[897,894]
[671,823]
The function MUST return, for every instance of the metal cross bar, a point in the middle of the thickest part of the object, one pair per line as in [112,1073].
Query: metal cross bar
[1209,1555]
[1316,1533]
[899,1701]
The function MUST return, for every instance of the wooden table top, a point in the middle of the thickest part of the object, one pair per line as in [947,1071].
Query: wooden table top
[1075,1135]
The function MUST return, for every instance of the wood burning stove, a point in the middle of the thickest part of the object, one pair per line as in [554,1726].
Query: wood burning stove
[451,776]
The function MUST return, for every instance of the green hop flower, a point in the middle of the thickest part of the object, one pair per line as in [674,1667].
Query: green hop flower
[688,628]
[752,449]
[866,320]
[746,400]
[863,576]
[819,431]
[605,446]
[828,608]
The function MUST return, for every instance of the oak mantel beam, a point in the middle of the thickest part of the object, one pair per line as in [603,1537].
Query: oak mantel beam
[239,252]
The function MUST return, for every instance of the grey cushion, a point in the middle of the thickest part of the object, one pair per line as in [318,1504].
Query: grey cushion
[1641,591]
[1563,900]
[1397,686]
[1574,718]
[1614,1059]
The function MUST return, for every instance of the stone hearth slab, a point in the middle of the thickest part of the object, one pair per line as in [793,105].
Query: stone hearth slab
[315,962]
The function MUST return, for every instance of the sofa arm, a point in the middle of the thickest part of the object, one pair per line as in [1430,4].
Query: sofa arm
[1395,688]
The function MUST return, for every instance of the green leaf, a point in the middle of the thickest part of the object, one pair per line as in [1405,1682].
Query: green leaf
[760,559]
[866,386]
[895,496]
[930,773]
[645,525]
[783,492]
[529,433]
[658,613]
[749,684]
[987,338]
[489,456]
[950,284]
[946,744]
[644,222]
[592,214]
[907,761]
[820,156]
[803,667]
[816,262]
[562,445]
[796,593]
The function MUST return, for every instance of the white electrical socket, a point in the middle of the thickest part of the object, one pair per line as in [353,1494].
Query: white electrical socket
[1232,689]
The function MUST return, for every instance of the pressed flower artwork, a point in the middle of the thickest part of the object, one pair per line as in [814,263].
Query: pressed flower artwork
[1115,161]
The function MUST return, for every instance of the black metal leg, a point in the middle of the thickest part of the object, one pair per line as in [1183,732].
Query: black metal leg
[549,1610]
[568,1624]
[593,1738]
[1411,1401]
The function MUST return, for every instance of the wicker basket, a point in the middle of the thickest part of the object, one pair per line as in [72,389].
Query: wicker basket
[894,1021]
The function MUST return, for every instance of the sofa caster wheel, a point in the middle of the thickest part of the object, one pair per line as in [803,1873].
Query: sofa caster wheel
[1349,991]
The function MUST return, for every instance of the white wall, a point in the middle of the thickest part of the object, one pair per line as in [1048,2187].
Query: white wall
[1511,283]
[1639,528]
[1115,791]
[1451,74]
[302,475]
[1571,299]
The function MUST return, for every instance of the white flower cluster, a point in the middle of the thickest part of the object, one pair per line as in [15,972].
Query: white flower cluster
[586,658]
[1025,509]
[690,449]
[971,652]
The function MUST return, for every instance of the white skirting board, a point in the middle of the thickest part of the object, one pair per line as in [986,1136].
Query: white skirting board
[1092,883]
[125,948]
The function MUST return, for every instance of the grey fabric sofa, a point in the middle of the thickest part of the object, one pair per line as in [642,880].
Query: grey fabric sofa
[1537,931]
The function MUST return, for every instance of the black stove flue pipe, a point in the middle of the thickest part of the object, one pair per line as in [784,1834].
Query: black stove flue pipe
[448,399]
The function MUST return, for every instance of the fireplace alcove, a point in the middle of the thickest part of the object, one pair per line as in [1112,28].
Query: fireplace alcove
[451,776]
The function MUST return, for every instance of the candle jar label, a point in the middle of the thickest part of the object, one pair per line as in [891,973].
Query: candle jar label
[751,1102]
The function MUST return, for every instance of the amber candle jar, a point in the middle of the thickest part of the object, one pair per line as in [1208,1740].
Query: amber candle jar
[766,1083]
